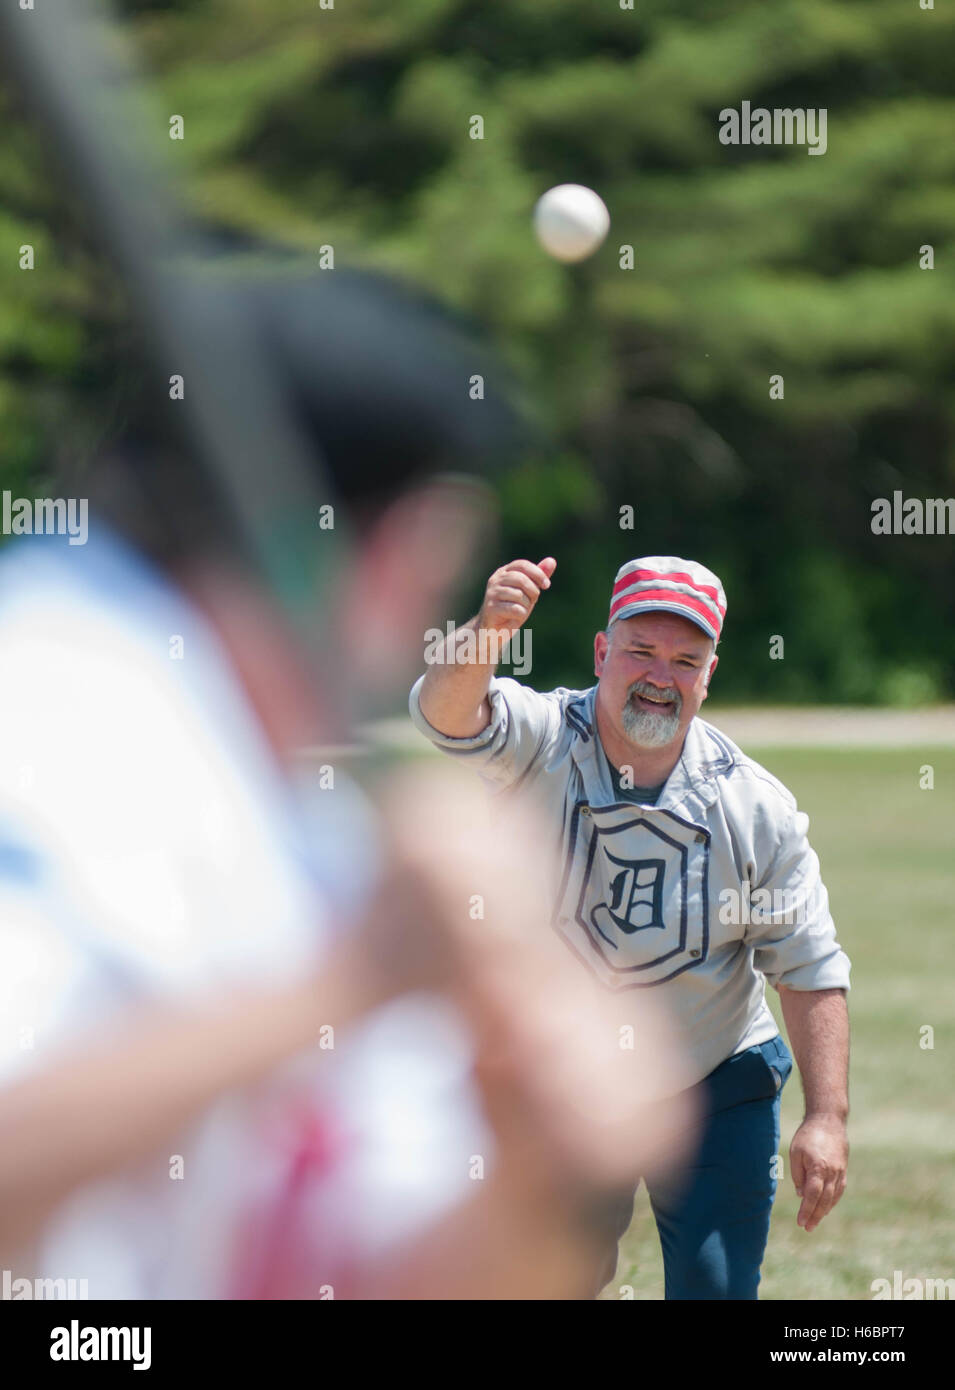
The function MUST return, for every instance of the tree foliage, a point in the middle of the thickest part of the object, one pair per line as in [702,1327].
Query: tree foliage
[350,126]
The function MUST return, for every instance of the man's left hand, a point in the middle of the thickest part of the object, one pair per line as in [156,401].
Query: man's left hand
[818,1159]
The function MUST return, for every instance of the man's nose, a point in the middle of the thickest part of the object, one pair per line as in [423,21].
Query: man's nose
[658,674]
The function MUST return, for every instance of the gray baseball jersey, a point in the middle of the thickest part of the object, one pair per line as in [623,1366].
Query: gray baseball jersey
[705,895]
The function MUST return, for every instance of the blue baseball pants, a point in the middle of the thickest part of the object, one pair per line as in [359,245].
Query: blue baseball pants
[713,1213]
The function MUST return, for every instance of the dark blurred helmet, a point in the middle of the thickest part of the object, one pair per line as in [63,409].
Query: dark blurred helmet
[377,375]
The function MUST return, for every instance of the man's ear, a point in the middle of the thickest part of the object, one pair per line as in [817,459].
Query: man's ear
[714,661]
[601,644]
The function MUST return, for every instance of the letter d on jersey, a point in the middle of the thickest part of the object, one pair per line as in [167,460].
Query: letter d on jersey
[640,913]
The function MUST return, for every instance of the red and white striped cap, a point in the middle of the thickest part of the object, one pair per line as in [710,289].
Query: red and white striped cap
[667,583]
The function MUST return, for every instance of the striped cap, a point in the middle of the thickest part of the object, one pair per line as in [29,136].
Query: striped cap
[667,583]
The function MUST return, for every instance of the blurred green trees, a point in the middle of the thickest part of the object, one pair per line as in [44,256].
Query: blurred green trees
[350,127]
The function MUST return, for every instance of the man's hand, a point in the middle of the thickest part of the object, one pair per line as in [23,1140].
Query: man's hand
[454,693]
[818,1159]
[511,593]
[818,1024]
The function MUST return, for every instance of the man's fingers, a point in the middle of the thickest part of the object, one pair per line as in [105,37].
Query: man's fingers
[512,592]
[812,1192]
[818,1156]
[840,1189]
[513,582]
[548,565]
[827,1200]
[831,1196]
[511,610]
[540,576]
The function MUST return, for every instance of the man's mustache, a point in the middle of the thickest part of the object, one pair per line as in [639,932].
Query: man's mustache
[653,693]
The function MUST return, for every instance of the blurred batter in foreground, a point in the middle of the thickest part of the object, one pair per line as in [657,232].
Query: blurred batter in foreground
[252,1043]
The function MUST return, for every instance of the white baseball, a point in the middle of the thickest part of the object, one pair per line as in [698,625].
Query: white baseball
[571,221]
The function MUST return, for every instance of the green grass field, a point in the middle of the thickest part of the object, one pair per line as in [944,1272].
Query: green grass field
[887,850]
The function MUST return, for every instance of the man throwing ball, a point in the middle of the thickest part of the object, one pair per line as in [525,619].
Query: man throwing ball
[685,868]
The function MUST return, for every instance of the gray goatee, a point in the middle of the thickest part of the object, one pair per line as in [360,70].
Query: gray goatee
[645,728]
